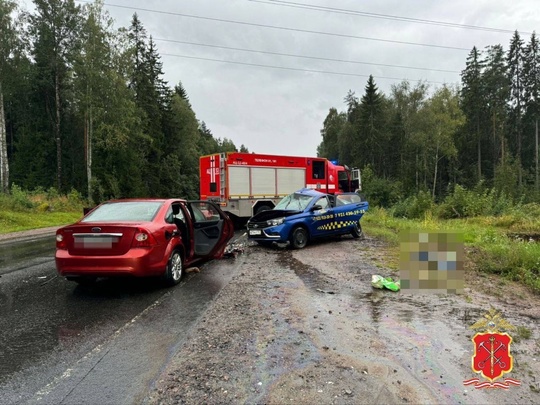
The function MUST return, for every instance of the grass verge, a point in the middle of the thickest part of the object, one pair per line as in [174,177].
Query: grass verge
[21,221]
[23,210]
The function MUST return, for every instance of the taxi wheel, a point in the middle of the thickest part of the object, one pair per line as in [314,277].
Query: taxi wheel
[357,230]
[175,269]
[299,238]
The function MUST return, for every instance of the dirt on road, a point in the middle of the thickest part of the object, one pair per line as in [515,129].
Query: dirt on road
[306,327]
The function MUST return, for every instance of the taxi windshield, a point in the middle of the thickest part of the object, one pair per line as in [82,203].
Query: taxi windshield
[294,202]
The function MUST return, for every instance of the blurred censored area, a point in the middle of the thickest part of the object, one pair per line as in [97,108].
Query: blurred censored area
[431,262]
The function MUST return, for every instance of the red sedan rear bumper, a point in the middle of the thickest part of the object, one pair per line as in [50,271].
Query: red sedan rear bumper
[139,262]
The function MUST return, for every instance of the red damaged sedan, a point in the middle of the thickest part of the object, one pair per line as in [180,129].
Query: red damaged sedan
[142,237]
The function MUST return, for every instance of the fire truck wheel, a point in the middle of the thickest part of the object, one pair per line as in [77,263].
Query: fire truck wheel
[357,230]
[263,208]
[299,238]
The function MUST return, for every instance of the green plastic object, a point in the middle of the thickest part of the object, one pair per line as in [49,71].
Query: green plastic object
[382,282]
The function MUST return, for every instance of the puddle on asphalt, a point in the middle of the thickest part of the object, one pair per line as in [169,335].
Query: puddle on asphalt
[16,252]
[404,307]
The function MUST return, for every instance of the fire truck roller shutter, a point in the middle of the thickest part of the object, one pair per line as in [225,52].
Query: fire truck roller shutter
[263,181]
[289,180]
[238,181]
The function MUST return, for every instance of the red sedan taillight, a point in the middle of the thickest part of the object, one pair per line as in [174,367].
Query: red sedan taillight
[60,241]
[143,239]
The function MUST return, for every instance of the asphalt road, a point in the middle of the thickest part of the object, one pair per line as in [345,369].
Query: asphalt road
[107,344]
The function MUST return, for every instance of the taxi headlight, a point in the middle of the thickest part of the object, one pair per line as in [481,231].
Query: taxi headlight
[275,221]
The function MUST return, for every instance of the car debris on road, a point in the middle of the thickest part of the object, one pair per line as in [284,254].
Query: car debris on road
[384,282]
[236,247]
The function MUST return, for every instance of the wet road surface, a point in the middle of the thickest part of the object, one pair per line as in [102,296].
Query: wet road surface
[62,343]
[299,326]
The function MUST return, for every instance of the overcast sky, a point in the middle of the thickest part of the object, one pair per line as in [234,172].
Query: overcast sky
[310,54]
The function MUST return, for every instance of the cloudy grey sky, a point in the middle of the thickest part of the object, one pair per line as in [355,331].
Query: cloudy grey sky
[265,73]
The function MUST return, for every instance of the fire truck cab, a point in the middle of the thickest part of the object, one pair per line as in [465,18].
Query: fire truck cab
[244,184]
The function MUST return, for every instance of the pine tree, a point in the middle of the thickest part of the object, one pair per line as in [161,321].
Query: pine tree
[151,99]
[371,141]
[55,28]
[532,97]
[473,104]
[181,174]
[496,90]
[408,102]
[515,61]
[179,89]
[207,143]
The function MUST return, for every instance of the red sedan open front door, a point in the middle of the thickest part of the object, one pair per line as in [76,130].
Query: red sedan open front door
[212,229]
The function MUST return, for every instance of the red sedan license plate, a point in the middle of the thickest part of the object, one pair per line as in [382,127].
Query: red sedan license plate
[96,242]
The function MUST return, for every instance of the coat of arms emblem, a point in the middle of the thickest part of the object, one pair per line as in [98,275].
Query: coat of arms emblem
[492,358]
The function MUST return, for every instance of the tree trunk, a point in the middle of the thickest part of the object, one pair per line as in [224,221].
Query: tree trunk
[519,136]
[518,153]
[503,150]
[435,175]
[495,152]
[57,133]
[536,155]
[89,154]
[416,173]
[479,150]
[4,166]
[86,149]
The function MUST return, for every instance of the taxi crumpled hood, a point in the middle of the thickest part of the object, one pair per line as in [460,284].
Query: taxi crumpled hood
[271,214]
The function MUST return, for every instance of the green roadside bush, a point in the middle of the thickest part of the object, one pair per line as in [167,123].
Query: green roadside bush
[380,191]
[22,210]
[20,199]
[40,200]
[414,207]
[461,203]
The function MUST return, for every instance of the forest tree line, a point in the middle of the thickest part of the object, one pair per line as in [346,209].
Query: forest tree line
[84,106]
[482,134]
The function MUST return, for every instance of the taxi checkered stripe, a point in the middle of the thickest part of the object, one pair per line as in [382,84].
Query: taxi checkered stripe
[335,225]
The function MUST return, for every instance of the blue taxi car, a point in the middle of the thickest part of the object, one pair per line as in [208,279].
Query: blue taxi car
[307,214]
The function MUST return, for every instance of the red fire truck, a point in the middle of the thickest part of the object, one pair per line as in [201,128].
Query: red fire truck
[247,183]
